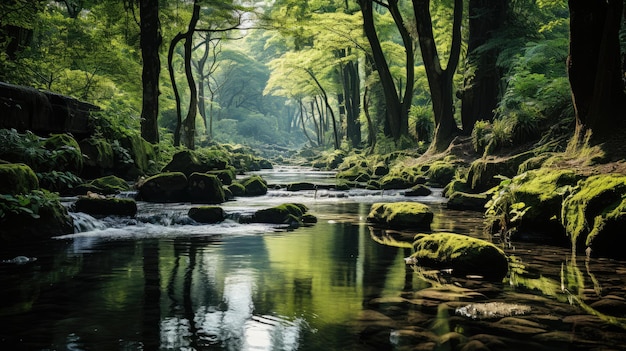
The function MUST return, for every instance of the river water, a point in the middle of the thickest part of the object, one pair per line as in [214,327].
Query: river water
[160,281]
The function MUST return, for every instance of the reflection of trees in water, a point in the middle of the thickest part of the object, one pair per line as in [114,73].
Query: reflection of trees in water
[151,333]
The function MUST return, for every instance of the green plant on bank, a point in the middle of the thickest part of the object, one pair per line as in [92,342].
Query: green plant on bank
[26,148]
[57,181]
[504,212]
[26,204]
[481,135]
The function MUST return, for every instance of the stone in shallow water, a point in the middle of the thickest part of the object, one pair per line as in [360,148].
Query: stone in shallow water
[492,310]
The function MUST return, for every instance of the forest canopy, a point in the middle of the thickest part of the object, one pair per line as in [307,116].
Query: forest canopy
[374,75]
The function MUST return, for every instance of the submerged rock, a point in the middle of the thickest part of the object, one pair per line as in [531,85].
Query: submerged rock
[464,201]
[289,213]
[491,310]
[401,215]
[254,186]
[207,214]
[462,254]
[418,190]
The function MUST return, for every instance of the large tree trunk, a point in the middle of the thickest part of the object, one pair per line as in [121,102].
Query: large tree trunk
[439,80]
[392,101]
[594,68]
[481,85]
[150,42]
[351,83]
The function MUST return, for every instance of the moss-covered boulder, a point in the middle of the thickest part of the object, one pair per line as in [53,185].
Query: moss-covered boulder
[237,189]
[254,185]
[164,187]
[142,154]
[226,176]
[98,157]
[483,173]
[356,173]
[205,188]
[106,206]
[288,213]
[32,216]
[17,178]
[67,153]
[594,215]
[390,181]
[301,186]
[401,215]
[207,214]
[463,254]
[189,161]
[467,202]
[418,190]
[440,173]
[539,193]
[104,185]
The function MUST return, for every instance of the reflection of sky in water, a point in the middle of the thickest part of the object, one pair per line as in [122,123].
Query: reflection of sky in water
[235,327]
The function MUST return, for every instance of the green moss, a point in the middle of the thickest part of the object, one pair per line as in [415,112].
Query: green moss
[237,189]
[597,202]
[17,178]
[355,173]
[255,186]
[441,173]
[205,188]
[109,185]
[98,156]
[463,254]
[282,214]
[401,215]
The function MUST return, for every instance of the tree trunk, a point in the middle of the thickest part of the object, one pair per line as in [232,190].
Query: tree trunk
[190,121]
[170,68]
[594,68]
[439,80]
[481,84]
[150,42]
[351,84]
[392,101]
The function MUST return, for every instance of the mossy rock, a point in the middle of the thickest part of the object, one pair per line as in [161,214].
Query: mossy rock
[265,164]
[17,178]
[463,254]
[205,188]
[67,153]
[105,185]
[483,173]
[189,161]
[288,213]
[98,157]
[237,189]
[254,185]
[594,215]
[227,176]
[207,214]
[456,185]
[49,218]
[106,206]
[467,202]
[440,173]
[401,215]
[380,169]
[389,182]
[301,186]
[542,191]
[342,185]
[142,156]
[418,190]
[355,173]
[164,187]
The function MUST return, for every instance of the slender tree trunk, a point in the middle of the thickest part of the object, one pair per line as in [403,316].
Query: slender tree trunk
[328,108]
[370,126]
[170,67]
[595,68]
[352,101]
[439,79]
[302,111]
[150,42]
[190,121]
[481,89]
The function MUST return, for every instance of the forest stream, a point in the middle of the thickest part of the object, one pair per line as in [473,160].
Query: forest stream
[161,281]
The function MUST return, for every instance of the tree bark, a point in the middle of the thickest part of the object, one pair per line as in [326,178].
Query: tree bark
[189,130]
[439,80]
[170,67]
[481,84]
[392,101]
[150,42]
[595,69]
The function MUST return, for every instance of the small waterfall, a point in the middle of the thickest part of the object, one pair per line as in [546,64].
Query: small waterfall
[85,223]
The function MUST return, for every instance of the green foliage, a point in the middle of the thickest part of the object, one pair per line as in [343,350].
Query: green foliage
[503,212]
[58,181]
[481,135]
[26,204]
[421,116]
